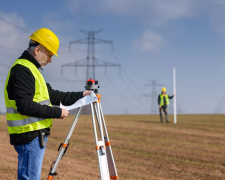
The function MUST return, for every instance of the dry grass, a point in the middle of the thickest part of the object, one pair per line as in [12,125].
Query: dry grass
[143,148]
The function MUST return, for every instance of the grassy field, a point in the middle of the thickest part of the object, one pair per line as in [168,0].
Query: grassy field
[143,148]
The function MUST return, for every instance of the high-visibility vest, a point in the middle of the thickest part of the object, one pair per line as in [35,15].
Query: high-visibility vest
[18,123]
[162,101]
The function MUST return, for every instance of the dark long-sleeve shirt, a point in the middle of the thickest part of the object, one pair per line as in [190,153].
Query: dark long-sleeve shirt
[21,88]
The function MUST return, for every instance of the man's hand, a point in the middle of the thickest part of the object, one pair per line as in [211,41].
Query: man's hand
[64,113]
[159,107]
[85,93]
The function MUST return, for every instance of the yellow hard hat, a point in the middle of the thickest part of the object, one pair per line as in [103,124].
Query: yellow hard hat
[163,89]
[46,38]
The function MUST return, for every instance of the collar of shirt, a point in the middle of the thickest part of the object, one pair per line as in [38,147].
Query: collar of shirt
[26,55]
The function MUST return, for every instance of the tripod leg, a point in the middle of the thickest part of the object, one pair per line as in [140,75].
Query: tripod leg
[99,120]
[63,147]
[111,162]
[100,146]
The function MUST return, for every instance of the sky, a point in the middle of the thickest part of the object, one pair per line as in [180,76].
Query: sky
[149,38]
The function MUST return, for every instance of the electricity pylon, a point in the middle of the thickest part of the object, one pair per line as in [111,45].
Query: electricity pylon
[153,95]
[90,62]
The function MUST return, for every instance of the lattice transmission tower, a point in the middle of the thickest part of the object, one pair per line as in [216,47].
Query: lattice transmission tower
[90,62]
[153,95]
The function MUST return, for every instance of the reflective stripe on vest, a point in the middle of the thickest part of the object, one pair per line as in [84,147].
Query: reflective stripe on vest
[162,101]
[18,123]
[11,110]
[23,122]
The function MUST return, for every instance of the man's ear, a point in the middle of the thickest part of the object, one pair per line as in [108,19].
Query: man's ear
[37,50]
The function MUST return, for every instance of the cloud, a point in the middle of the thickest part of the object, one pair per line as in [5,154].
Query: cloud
[151,12]
[149,41]
[65,18]
[13,32]
[216,16]
[14,36]
[14,39]
[74,6]
[57,21]
[162,12]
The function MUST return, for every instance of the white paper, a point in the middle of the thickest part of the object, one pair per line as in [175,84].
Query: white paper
[81,102]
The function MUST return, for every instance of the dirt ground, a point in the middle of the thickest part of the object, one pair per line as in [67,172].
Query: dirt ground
[143,148]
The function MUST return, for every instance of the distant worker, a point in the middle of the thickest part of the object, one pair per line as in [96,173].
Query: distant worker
[29,100]
[163,101]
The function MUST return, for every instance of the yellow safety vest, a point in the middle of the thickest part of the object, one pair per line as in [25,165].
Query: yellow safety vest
[162,101]
[18,123]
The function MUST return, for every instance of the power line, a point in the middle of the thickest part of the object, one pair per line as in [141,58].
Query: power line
[131,81]
[90,62]
[133,95]
[7,47]
[15,25]
[153,95]
[130,102]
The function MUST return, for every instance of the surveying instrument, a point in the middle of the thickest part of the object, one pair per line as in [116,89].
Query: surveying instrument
[107,167]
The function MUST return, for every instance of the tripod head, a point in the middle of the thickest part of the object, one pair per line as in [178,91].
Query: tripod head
[91,84]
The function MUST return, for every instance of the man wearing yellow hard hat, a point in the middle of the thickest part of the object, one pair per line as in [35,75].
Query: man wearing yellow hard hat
[29,101]
[163,102]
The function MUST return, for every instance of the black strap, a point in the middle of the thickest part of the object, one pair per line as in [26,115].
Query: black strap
[34,44]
